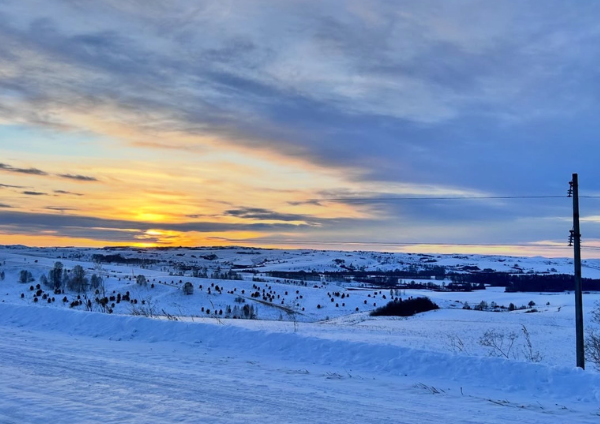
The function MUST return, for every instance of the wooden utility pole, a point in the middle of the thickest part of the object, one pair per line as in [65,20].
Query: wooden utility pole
[576,239]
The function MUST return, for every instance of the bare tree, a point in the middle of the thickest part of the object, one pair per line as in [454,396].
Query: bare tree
[55,276]
[592,341]
[77,280]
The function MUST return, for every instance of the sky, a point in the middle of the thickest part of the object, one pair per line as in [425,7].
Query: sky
[359,125]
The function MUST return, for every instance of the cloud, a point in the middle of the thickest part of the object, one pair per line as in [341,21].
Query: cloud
[30,171]
[35,193]
[60,209]
[167,146]
[39,172]
[10,186]
[268,215]
[88,227]
[394,102]
[67,192]
[4,205]
[313,202]
[78,177]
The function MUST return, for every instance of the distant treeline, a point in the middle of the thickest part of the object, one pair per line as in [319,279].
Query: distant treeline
[492,278]
[459,281]
[549,283]
[526,282]
[385,277]
[118,259]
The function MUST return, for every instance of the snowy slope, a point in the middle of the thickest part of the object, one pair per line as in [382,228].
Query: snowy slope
[66,366]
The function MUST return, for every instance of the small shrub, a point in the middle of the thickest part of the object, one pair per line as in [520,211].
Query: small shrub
[407,308]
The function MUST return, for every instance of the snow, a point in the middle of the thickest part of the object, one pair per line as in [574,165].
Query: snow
[328,364]
[71,366]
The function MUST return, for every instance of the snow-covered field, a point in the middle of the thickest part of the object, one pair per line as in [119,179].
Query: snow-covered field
[303,360]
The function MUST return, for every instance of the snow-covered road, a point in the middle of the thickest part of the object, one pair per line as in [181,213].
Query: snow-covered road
[64,377]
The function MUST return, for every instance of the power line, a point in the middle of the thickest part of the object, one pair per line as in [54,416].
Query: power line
[382,243]
[401,198]
[590,247]
[379,199]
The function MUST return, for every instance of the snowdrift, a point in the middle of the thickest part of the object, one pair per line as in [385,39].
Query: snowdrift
[561,384]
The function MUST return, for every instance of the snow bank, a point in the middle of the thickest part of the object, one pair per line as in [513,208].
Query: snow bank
[560,384]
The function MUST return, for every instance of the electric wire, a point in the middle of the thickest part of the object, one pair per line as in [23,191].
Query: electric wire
[382,243]
[424,198]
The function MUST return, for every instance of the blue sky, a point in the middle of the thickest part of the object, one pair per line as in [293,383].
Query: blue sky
[261,122]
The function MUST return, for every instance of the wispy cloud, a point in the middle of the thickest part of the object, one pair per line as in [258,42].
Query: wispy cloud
[60,209]
[67,193]
[105,229]
[268,215]
[35,171]
[10,186]
[313,202]
[78,177]
[31,171]
[35,193]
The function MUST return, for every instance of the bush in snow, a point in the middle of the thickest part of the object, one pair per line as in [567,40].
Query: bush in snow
[499,343]
[406,308]
[506,345]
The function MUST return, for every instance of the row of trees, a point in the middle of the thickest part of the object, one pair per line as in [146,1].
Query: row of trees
[59,278]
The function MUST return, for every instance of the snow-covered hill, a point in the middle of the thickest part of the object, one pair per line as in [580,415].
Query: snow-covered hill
[159,352]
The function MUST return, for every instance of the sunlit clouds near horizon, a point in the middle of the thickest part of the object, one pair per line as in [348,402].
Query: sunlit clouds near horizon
[434,126]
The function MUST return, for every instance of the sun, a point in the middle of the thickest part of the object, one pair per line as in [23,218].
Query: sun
[150,217]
